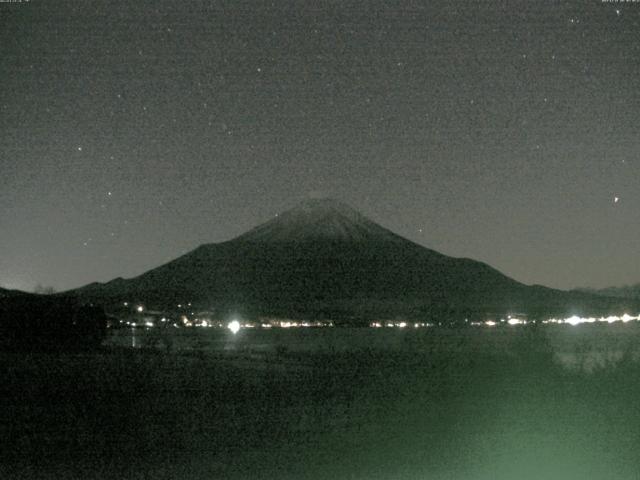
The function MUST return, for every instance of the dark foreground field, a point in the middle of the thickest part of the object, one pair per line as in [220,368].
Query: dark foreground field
[469,412]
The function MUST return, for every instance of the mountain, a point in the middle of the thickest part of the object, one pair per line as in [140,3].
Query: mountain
[627,291]
[319,220]
[323,259]
[6,294]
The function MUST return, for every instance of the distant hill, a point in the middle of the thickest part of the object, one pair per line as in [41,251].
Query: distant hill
[5,293]
[628,291]
[32,322]
[323,259]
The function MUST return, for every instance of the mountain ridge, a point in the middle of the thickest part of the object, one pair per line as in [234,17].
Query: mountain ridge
[625,291]
[324,259]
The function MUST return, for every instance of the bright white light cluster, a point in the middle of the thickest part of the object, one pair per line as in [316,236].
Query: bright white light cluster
[234,326]
[510,320]
[575,320]
[393,324]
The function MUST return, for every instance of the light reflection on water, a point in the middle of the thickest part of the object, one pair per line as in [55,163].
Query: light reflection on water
[584,348]
[133,337]
[496,422]
[494,419]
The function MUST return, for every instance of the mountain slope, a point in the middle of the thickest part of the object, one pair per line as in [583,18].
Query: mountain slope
[627,291]
[319,220]
[324,259]
[5,293]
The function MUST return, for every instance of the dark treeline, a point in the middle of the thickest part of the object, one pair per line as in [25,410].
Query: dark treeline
[42,322]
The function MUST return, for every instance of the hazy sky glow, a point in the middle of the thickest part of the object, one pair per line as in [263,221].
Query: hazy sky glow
[503,131]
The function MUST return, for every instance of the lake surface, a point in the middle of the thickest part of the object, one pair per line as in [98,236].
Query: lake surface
[328,404]
[581,347]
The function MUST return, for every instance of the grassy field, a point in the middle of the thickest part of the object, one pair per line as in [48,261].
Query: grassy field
[450,405]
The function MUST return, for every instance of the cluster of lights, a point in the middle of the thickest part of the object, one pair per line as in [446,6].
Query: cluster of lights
[400,324]
[294,324]
[235,325]
[185,321]
[205,322]
[510,321]
[575,320]
[140,324]
[513,321]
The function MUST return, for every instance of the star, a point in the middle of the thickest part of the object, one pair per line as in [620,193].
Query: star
[79,149]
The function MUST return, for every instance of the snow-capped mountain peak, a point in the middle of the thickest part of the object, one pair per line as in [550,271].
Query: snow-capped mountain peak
[319,219]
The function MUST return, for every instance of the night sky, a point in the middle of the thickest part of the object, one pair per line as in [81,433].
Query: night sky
[134,131]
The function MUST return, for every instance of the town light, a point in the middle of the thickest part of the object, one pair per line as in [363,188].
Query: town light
[234,326]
